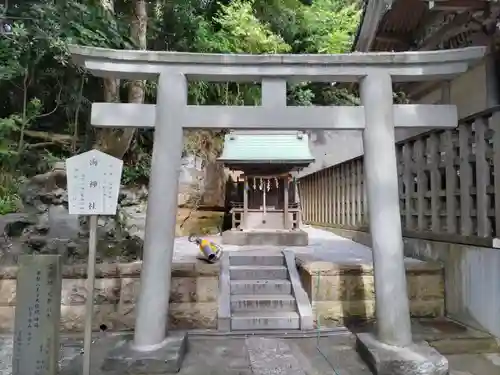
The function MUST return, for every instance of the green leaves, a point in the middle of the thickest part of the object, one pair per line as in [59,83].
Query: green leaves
[45,93]
[332,29]
[242,32]
[9,198]
[33,110]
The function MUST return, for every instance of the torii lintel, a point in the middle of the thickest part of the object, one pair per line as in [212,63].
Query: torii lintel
[124,115]
[402,66]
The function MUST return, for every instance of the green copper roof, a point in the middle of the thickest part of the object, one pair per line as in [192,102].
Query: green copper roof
[266,147]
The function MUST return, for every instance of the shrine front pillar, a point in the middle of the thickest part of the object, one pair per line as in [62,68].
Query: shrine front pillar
[152,306]
[153,346]
[286,220]
[392,307]
[244,220]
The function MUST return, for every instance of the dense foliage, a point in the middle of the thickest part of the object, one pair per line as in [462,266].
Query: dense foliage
[45,101]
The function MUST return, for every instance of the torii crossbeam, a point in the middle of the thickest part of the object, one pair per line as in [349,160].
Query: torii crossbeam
[124,115]
[377,118]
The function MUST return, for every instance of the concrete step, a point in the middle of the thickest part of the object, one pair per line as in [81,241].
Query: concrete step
[451,337]
[264,320]
[263,303]
[257,259]
[472,345]
[258,272]
[260,287]
[445,335]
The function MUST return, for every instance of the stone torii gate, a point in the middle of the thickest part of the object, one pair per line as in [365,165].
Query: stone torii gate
[377,118]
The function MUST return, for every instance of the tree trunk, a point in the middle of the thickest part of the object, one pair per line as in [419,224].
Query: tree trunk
[116,142]
[111,85]
[138,33]
[105,138]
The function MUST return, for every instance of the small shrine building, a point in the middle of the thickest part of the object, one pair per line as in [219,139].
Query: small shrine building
[265,206]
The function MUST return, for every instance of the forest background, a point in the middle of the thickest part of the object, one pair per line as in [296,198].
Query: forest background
[45,100]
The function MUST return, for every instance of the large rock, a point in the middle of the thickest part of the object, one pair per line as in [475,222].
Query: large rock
[46,227]
[201,182]
[132,211]
[45,189]
[214,185]
[191,178]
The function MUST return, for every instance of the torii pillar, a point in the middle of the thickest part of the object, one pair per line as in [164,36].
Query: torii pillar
[391,350]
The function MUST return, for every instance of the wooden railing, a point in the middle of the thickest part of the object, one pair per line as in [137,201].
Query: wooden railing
[448,181]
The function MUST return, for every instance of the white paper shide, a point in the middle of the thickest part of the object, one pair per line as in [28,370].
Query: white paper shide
[93,183]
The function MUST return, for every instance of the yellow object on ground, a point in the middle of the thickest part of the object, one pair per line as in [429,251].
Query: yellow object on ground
[210,250]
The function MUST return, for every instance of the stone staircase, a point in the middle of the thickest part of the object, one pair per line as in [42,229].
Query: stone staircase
[262,291]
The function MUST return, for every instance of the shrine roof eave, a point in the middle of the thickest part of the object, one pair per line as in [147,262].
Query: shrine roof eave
[260,148]
[263,162]
[403,66]
[266,168]
[371,15]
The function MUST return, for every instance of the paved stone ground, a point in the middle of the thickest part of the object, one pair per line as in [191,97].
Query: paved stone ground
[237,356]
[321,246]
[231,356]
[70,348]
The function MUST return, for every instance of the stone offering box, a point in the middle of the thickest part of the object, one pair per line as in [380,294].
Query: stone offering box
[193,296]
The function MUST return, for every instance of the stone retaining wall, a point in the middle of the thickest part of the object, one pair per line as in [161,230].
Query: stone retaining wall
[193,296]
[471,277]
[344,293]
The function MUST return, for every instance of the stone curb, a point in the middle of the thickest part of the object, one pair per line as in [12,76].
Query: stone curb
[185,268]
[224,299]
[324,268]
[303,305]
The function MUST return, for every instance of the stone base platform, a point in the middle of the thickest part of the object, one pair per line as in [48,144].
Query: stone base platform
[113,355]
[265,238]
[444,335]
[416,359]
[165,360]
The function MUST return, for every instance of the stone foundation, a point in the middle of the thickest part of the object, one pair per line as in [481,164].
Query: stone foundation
[346,292]
[193,296]
[415,359]
[265,238]
[470,276]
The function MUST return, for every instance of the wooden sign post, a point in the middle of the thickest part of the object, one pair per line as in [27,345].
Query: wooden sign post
[93,188]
